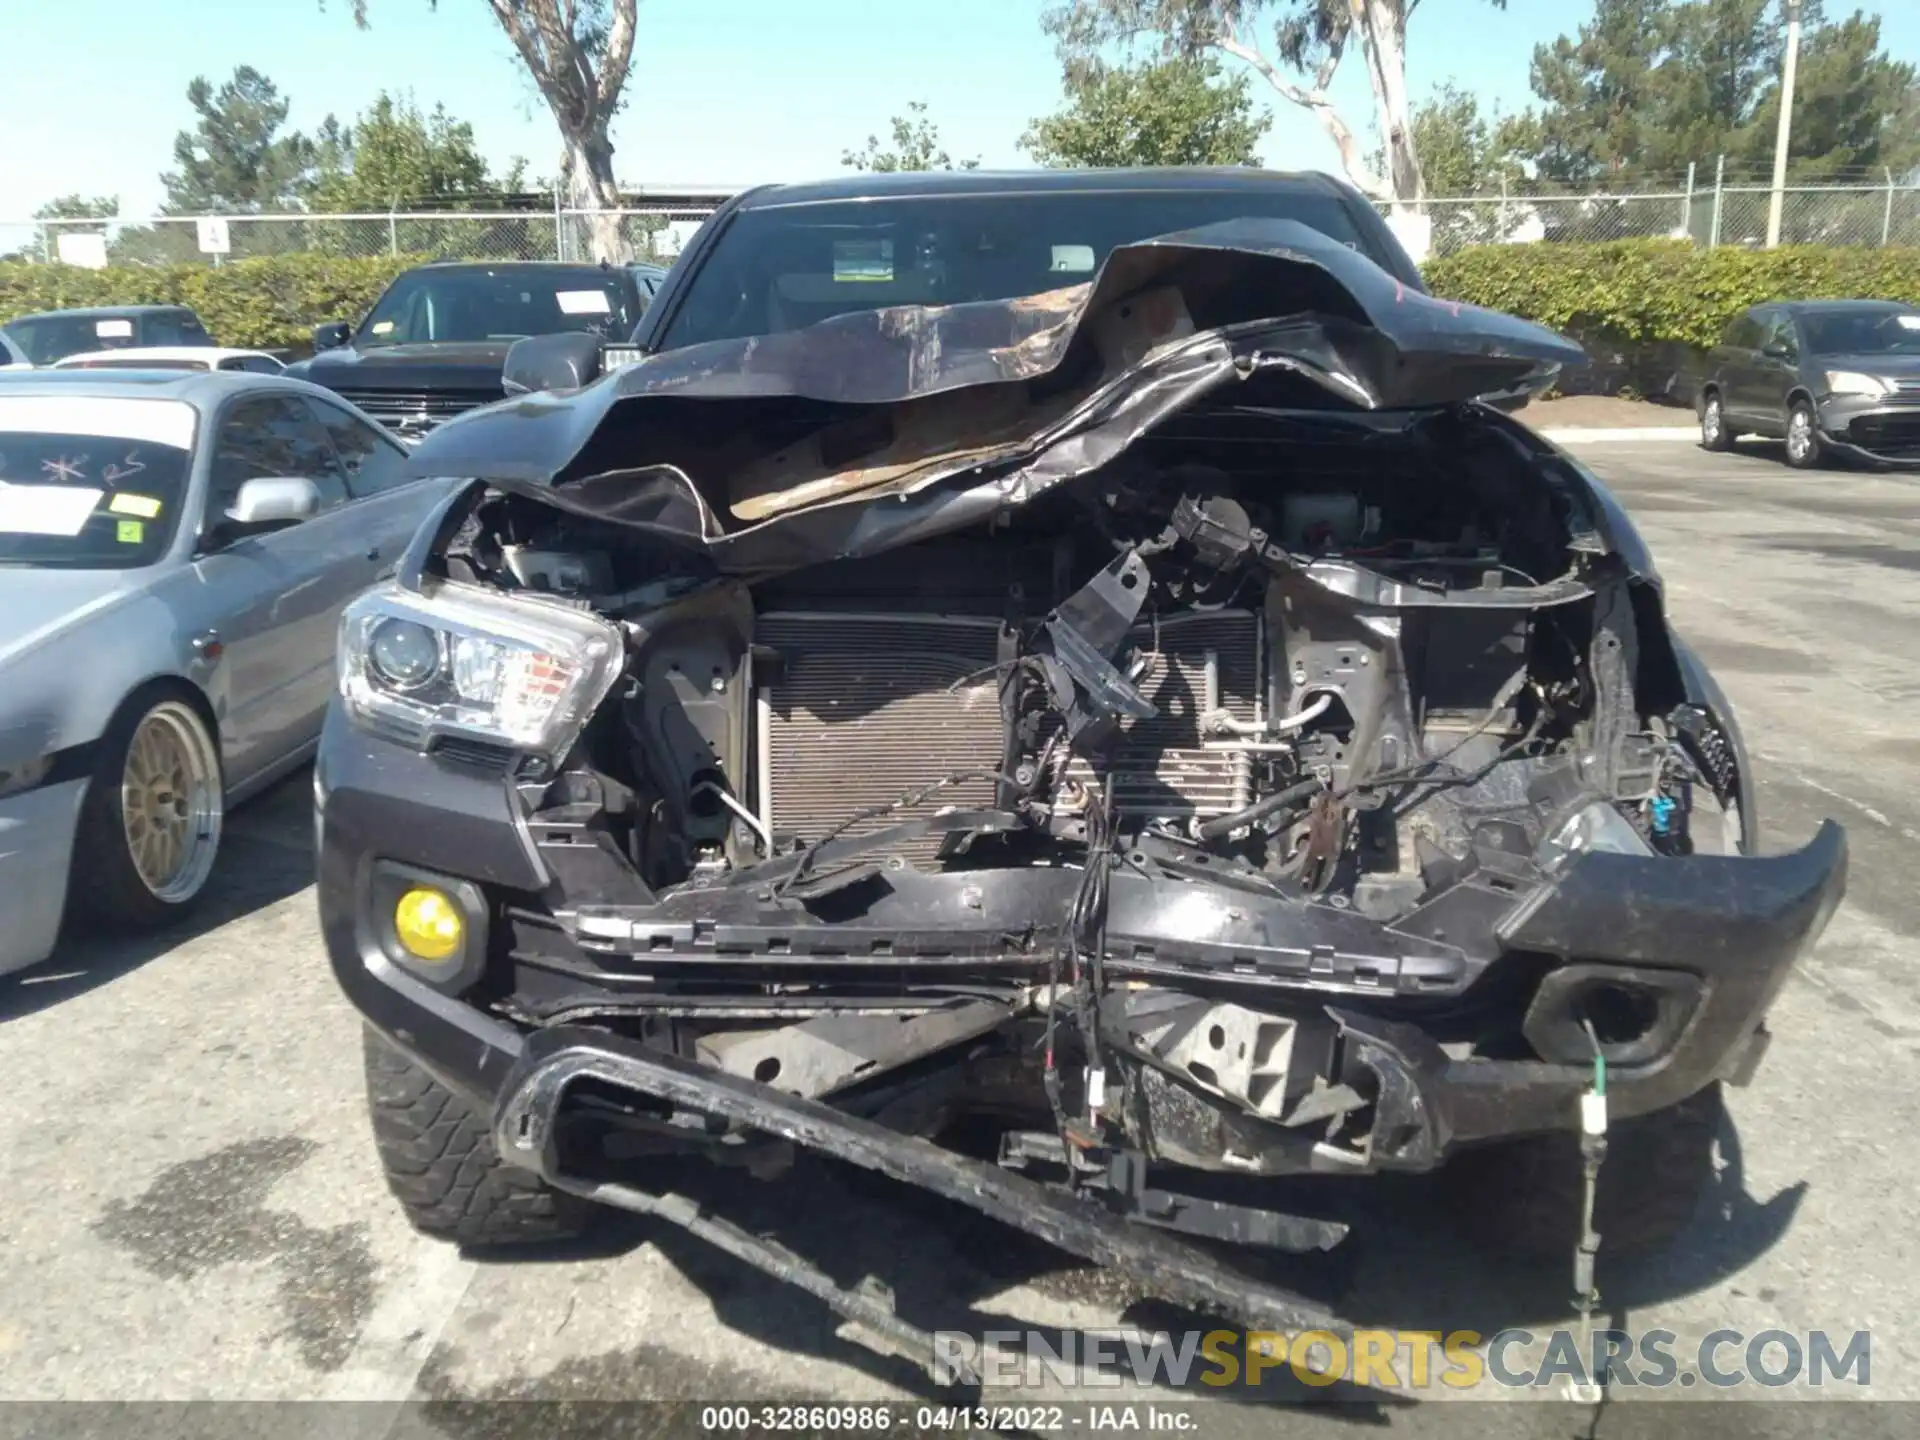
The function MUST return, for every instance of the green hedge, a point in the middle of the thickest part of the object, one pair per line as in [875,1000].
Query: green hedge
[267,304]
[1625,292]
[1664,291]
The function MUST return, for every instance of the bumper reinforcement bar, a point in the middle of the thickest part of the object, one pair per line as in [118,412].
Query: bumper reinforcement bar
[556,1059]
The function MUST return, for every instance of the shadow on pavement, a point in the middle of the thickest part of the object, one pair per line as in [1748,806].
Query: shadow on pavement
[1405,1266]
[266,854]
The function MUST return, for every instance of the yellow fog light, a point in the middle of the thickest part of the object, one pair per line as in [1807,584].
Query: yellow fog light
[429,925]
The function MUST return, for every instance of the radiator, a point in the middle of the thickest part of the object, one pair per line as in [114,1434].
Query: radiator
[861,713]
[865,708]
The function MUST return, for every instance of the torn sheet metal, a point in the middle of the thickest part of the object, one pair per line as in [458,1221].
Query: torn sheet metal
[776,451]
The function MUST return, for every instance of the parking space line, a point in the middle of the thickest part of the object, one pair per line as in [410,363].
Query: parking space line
[1615,435]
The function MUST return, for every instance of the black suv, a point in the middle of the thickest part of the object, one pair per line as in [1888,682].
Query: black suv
[434,342]
[1068,651]
[1830,377]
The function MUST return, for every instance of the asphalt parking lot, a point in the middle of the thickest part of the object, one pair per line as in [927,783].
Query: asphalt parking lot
[190,1207]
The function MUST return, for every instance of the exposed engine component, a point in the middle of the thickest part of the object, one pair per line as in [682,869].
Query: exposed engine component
[1166,766]
[1203,673]
[855,709]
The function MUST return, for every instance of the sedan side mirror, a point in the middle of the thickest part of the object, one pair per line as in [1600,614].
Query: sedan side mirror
[565,361]
[271,502]
[332,335]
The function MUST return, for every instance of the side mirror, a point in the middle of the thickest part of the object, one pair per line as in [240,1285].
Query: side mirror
[273,501]
[332,335]
[565,361]
[1774,350]
[1507,401]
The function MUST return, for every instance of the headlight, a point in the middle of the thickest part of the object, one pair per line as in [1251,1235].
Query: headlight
[464,661]
[1595,827]
[1855,382]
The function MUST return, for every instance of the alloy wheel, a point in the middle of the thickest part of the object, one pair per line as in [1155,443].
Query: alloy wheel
[1799,434]
[170,802]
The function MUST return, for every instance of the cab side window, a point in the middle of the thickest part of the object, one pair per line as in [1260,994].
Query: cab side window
[1780,333]
[373,462]
[265,436]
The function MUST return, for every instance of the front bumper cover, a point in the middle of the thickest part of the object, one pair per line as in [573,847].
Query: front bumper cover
[1872,430]
[1726,930]
[36,845]
[1730,927]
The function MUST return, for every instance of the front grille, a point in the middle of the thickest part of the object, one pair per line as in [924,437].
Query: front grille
[417,411]
[1897,437]
[862,709]
[860,713]
[469,754]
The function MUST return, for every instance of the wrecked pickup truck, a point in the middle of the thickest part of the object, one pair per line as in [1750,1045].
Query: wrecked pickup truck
[1169,717]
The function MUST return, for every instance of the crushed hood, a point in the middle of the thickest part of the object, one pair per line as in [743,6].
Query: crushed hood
[882,427]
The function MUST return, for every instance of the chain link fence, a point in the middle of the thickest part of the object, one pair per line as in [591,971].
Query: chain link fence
[1709,214]
[1886,214]
[651,234]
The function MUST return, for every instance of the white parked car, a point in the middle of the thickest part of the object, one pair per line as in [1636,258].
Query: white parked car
[173,357]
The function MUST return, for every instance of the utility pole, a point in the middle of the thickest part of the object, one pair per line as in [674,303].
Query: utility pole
[1786,123]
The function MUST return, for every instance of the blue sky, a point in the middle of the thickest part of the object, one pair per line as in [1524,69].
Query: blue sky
[722,91]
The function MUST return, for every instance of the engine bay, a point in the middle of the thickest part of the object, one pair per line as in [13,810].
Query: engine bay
[1346,653]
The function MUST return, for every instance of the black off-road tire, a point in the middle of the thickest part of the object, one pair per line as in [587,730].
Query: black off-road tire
[443,1169]
[1525,1197]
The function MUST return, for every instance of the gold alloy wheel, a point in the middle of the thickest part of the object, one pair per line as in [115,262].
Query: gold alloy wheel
[170,802]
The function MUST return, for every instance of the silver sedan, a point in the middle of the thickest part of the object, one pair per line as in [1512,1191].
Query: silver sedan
[175,551]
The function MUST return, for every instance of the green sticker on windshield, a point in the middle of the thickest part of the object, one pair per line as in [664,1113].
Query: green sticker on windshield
[130,532]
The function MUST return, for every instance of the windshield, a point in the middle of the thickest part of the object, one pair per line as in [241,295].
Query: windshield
[504,304]
[786,267]
[1862,332]
[47,338]
[91,496]
[54,337]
